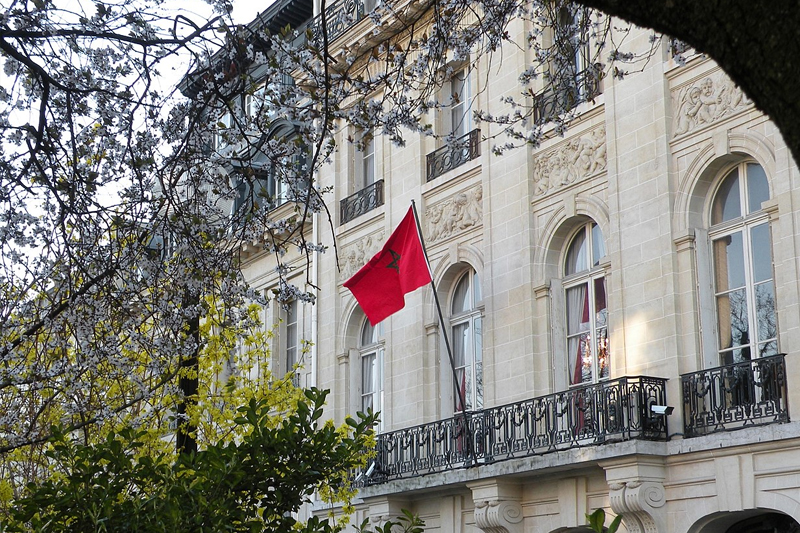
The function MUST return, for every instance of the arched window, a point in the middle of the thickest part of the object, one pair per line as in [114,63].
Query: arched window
[742,266]
[467,329]
[587,311]
[371,351]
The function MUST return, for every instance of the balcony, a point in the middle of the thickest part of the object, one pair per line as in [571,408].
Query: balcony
[340,16]
[566,93]
[465,148]
[750,393]
[616,410]
[365,200]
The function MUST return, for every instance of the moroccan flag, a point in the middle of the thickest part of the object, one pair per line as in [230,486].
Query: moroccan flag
[400,267]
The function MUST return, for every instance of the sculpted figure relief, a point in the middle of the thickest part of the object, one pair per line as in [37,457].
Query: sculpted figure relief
[356,254]
[706,102]
[460,212]
[572,161]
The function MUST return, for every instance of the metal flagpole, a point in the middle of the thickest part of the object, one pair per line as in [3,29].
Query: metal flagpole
[459,393]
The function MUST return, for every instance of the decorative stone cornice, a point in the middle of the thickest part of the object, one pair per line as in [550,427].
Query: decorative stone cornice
[499,516]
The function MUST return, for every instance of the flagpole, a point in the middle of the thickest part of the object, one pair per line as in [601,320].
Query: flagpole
[459,393]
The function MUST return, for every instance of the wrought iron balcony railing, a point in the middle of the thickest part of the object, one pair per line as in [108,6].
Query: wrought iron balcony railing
[465,148]
[339,17]
[750,393]
[610,411]
[566,93]
[365,200]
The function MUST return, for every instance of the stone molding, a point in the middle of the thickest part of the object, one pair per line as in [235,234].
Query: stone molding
[356,254]
[460,212]
[499,516]
[704,102]
[640,503]
[570,162]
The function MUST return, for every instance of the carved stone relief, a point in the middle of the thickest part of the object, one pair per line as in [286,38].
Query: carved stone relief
[570,162]
[705,102]
[459,212]
[356,254]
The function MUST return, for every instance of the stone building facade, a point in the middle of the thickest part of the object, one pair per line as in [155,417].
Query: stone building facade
[648,258]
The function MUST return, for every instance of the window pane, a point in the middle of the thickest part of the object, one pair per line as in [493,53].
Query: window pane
[757,187]
[577,309]
[762,252]
[577,260]
[598,245]
[600,308]
[727,204]
[733,320]
[461,344]
[580,359]
[368,373]
[603,352]
[729,262]
[458,104]
[765,311]
[461,296]
[767,349]
[368,334]
[477,296]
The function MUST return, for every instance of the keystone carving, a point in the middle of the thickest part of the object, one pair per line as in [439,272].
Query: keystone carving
[570,162]
[640,504]
[356,254]
[705,102]
[458,213]
[499,516]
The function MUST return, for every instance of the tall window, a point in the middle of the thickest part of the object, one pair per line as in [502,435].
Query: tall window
[459,101]
[366,166]
[466,325]
[292,339]
[742,257]
[371,350]
[587,311]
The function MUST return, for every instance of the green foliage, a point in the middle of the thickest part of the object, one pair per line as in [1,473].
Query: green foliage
[251,485]
[597,521]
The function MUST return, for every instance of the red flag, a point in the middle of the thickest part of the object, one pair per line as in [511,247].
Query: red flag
[399,268]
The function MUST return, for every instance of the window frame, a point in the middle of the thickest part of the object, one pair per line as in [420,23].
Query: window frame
[374,349]
[750,217]
[472,318]
[458,119]
[595,272]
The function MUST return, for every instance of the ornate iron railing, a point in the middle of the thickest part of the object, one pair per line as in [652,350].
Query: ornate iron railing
[465,148]
[565,93]
[610,411]
[339,17]
[365,200]
[750,393]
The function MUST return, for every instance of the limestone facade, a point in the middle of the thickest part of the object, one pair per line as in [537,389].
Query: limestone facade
[644,164]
